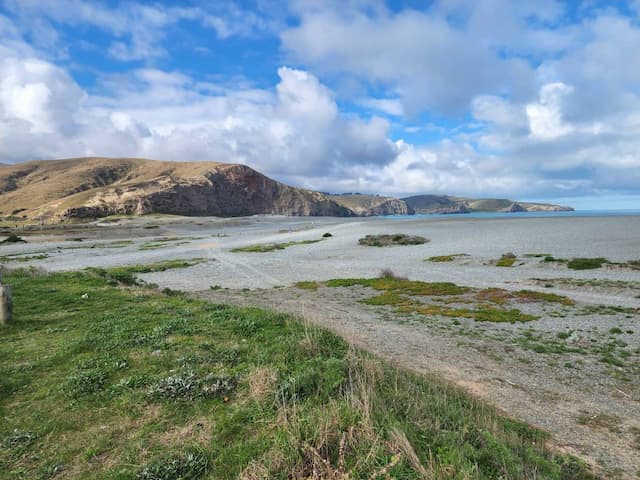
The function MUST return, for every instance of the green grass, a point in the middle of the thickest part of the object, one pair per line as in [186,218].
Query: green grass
[446,258]
[506,261]
[533,295]
[133,384]
[397,292]
[497,315]
[126,274]
[480,314]
[586,263]
[385,240]
[270,247]
[305,285]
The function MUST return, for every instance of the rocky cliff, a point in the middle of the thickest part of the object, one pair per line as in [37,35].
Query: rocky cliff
[98,187]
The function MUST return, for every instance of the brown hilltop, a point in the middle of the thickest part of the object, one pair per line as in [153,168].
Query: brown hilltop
[98,187]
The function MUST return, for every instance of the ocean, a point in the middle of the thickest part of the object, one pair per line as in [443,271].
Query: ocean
[575,213]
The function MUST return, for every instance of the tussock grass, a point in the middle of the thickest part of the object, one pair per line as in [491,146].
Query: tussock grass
[270,247]
[85,390]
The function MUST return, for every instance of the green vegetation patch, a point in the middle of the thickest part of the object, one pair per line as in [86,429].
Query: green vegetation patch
[308,285]
[535,296]
[586,263]
[446,258]
[507,260]
[131,383]
[385,240]
[512,315]
[13,238]
[126,274]
[397,293]
[400,285]
[270,247]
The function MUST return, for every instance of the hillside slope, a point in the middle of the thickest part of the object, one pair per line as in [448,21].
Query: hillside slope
[370,205]
[447,204]
[98,187]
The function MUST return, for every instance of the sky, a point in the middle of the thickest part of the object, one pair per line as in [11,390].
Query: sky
[483,98]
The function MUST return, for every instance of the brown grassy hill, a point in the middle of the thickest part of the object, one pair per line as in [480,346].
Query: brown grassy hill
[98,187]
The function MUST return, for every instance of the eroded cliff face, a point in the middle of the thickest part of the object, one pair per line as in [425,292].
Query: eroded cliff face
[235,190]
[372,205]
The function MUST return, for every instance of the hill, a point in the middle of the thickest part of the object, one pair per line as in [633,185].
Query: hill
[98,187]
[448,204]
[369,205]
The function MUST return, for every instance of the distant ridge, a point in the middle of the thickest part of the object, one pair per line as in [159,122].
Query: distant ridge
[95,187]
[448,204]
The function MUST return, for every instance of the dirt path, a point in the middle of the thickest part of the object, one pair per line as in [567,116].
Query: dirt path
[588,412]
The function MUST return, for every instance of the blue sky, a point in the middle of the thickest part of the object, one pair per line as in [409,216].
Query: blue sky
[529,100]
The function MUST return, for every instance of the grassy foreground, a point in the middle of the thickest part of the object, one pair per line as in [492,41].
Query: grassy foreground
[103,382]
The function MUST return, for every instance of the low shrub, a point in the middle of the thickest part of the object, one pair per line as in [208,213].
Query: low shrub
[586,263]
[13,238]
[507,260]
[394,239]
